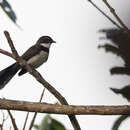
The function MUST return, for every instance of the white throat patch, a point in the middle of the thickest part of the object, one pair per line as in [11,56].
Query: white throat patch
[47,45]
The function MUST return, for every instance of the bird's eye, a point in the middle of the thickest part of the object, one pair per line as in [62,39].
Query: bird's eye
[47,40]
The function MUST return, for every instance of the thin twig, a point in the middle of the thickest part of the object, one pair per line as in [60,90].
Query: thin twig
[3,120]
[35,114]
[26,119]
[6,53]
[108,17]
[41,80]
[10,42]
[112,10]
[12,120]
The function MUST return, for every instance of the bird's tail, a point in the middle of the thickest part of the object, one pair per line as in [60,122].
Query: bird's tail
[7,74]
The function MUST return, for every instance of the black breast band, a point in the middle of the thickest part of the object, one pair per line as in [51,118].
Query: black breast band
[44,49]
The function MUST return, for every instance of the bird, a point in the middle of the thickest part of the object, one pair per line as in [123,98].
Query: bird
[35,56]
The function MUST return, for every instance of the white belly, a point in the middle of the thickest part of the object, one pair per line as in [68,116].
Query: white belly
[39,59]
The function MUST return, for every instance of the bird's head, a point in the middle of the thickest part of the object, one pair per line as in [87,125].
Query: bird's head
[45,41]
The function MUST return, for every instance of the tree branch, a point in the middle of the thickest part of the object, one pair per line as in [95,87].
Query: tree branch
[12,120]
[63,109]
[41,80]
[35,114]
[104,14]
[26,119]
[112,10]
[3,120]
[6,53]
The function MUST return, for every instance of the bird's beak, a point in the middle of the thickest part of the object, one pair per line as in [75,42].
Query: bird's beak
[53,41]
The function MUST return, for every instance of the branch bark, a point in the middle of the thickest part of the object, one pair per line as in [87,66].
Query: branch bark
[63,109]
[12,120]
[35,114]
[112,10]
[108,17]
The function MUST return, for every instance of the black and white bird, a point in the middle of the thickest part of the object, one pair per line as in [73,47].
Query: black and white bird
[34,56]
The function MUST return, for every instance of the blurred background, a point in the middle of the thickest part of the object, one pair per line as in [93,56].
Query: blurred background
[76,67]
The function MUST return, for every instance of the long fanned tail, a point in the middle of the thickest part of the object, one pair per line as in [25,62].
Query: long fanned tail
[7,74]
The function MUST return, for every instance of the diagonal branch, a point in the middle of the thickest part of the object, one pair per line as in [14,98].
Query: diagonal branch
[26,119]
[35,114]
[112,10]
[63,109]
[3,120]
[41,80]
[6,53]
[12,120]
[104,14]
[10,42]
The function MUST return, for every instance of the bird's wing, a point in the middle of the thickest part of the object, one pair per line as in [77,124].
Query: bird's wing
[32,51]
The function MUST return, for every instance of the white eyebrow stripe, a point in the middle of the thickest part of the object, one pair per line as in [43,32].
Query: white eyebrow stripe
[47,45]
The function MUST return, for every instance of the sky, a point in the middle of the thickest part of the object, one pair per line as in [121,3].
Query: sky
[76,67]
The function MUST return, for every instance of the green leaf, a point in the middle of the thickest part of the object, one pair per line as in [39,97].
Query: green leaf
[49,123]
[8,10]
[36,126]
[118,122]
[57,125]
[45,123]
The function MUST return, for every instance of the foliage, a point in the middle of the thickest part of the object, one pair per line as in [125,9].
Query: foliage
[119,121]
[5,5]
[120,47]
[49,123]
